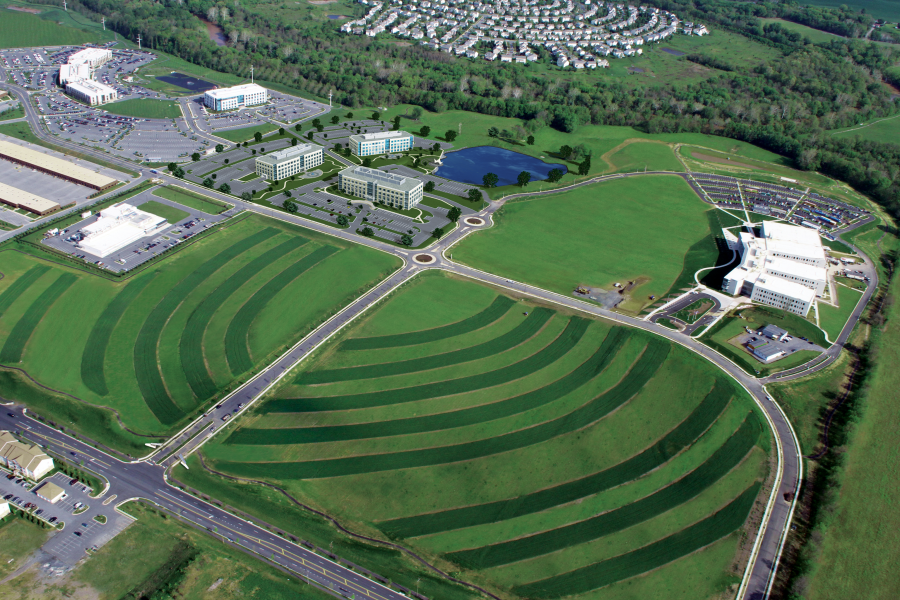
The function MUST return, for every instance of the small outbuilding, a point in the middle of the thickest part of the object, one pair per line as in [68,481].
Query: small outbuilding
[51,492]
[765,351]
[4,509]
[774,333]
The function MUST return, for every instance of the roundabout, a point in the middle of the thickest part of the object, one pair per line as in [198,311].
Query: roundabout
[423,259]
[476,221]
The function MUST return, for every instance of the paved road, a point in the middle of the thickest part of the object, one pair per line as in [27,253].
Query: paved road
[689,328]
[773,529]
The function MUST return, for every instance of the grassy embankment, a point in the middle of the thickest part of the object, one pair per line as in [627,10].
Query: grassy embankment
[192,200]
[145,108]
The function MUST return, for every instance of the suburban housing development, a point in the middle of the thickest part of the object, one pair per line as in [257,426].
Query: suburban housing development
[784,267]
[290,161]
[378,186]
[248,94]
[577,35]
[367,144]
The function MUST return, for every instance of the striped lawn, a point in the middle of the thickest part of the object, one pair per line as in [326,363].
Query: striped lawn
[23,329]
[20,285]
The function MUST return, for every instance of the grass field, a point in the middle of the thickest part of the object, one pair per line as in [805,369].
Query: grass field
[12,113]
[638,229]
[814,35]
[18,539]
[883,9]
[833,319]
[192,200]
[245,133]
[515,442]
[19,29]
[885,130]
[169,213]
[158,346]
[145,108]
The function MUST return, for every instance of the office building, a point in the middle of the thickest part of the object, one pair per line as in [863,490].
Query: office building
[378,186]
[23,459]
[118,226]
[367,144]
[77,75]
[287,162]
[93,57]
[248,94]
[92,93]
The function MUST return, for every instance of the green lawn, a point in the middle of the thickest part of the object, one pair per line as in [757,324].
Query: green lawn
[833,319]
[244,134]
[192,199]
[883,9]
[518,442]
[885,130]
[19,29]
[169,213]
[12,113]
[248,177]
[159,346]
[18,539]
[641,156]
[145,108]
[637,229]
[814,35]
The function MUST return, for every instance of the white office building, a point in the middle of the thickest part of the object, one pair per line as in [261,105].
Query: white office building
[290,161]
[784,267]
[77,75]
[378,186]
[69,73]
[92,93]
[116,227]
[94,57]
[248,94]
[367,144]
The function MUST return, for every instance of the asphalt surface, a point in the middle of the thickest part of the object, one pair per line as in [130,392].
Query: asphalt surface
[146,479]
[689,328]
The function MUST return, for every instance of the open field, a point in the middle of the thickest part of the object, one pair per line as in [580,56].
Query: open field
[882,130]
[192,200]
[833,319]
[12,113]
[638,229]
[19,29]
[756,317]
[883,9]
[18,538]
[515,442]
[161,344]
[145,108]
[169,213]
[814,35]
[245,134]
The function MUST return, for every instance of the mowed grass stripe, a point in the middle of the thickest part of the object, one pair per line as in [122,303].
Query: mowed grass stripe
[93,357]
[552,352]
[592,367]
[652,556]
[522,332]
[25,326]
[18,287]
[499,307]
[146,364]
[728,456]
[596,409]
[193,361]
[637,466]
[237,351]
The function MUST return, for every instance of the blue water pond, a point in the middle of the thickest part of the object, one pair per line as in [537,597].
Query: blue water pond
[469,165]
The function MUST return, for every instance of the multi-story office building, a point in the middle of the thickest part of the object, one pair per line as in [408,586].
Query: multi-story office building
[77,76]
[91,92]
[378,186]
[94,57]
[367,144]
[289,161]
[248,94]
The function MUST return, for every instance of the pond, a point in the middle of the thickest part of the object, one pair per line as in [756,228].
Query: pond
[469,165]
[187,82]
[215,32]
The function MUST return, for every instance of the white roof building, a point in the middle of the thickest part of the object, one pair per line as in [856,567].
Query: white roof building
[118,226]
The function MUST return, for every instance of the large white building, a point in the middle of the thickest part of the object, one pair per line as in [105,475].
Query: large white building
[94,57]
[91,92]
[116,227]
[378,186]
[785,267]
[287,162]
[77,75]
[248,94]
[367,144]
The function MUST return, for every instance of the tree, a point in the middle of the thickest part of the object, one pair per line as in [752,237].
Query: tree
[450,135]
[281,131]
[337,147]
[320,128]
[172,167]
[342,220]
[298,127]
[316,122]
[579,152]
[290,206]
[585,167]
[506,134]
[454,213]
[245,144]
[493,132]
[287,193]
[437,233]
[523,178]
[490,180]
[293,141]
[406,239]
[474,195]
[376,116]
[530,140]
[226,161]
[425,131]
[565,152]
[208,182]
[220,148]
[214,175]
[246,196]
[554,175]
[367,161]
[367,232]
[436,147]
[225,188]
[349,115]
[396,123]
[429,186]
[309,134]
[179,173]
[195,156]
[416,113]
[335,119]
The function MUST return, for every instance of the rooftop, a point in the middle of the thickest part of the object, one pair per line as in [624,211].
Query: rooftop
[772,330]
[28,456]
[774,230]
[50,491]
[779,285]
[56,165]
[394,181]
[287,153]
[230,92]
[25,199]
[383,135]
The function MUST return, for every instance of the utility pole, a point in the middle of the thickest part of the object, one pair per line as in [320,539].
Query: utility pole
[103,21]
[139,41]
[329,99]
[251,73]
[65,7]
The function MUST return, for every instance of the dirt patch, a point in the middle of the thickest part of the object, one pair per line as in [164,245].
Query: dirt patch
[474,221]
[719,160]
[319,2]
[213,587]
[424,258]
[34,11]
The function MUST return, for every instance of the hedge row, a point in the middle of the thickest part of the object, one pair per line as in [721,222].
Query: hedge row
[236,350]
[728,456]
[25,326]
[18,287]
[652,556]
[651,458]
[94,355]
[146,363]
[524,331]
[459,418]
[193,360]
[582,417]
[499,307]
[546,356]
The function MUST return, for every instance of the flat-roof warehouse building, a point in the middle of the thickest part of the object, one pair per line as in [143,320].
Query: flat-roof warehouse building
[26,201]
[378,186]
[289,161]
[248,94]
[118,226]
[51,165]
